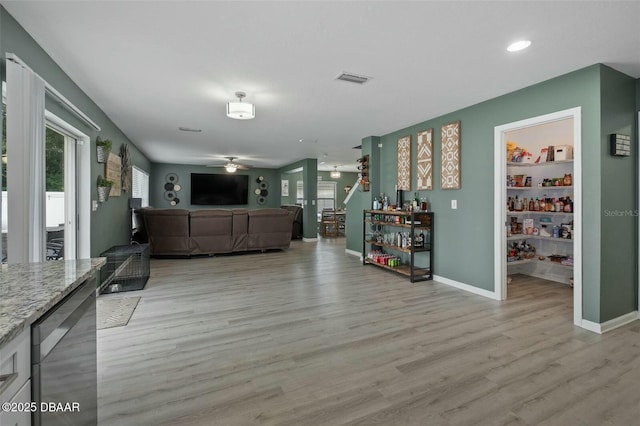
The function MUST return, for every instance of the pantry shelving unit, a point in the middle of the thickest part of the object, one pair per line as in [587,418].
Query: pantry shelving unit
[380,230]
[546,246]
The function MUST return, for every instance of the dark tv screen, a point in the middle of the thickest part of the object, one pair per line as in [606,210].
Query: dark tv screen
[219,190]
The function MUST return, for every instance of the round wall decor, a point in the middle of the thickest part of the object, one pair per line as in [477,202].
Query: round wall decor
[171,187]
[261,190]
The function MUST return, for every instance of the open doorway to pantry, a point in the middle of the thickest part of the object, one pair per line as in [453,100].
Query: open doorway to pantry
[539,159]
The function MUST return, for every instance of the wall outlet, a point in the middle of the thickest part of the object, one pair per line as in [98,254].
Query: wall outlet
[313,202]
[94,205]
[454,204]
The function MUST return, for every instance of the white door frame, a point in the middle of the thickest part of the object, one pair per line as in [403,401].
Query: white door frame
[82,186]
[500,201]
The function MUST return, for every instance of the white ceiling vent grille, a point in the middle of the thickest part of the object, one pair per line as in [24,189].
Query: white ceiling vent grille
[352,78]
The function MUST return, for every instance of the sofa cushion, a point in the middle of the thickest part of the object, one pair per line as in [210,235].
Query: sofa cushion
[168,231]
[269,229]
[239,237]
[211,231]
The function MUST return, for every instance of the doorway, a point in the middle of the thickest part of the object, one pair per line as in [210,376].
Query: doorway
[60,193]
[548,231]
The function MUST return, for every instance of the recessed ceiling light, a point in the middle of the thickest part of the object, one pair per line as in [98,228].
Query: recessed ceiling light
[519,45]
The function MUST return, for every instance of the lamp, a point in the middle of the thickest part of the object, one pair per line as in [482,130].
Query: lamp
[335,174]
[231,168]
[241,110]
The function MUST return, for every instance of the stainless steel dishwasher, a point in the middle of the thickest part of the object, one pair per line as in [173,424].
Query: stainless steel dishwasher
[63,361]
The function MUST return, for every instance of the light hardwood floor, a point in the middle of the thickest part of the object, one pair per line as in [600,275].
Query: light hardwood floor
[310,336]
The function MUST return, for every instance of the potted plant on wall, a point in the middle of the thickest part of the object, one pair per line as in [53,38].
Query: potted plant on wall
[103,148]
[104,187]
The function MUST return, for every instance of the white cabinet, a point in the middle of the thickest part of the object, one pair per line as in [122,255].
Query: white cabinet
[15,383]
[19,415]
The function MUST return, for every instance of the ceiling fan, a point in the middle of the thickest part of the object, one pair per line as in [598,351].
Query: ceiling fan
[231,166]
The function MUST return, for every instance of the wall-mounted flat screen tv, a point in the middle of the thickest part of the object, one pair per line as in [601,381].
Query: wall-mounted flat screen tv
[219,190]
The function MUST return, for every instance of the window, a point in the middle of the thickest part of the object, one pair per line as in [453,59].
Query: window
[140,185]
[300,193]
[326,198]
[326,195]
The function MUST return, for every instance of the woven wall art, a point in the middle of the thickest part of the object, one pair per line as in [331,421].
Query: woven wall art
[450,172]
[425,160]
[404,163]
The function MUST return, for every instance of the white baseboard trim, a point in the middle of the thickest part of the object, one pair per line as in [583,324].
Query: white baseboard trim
[353,253]
[309,240]
[466,287]
[611,324]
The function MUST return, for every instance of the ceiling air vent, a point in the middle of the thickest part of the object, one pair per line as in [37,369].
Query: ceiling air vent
[352,78]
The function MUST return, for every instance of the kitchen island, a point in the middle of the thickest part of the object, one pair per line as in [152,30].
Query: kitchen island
[46,311]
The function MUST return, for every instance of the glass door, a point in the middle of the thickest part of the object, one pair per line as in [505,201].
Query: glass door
[60,195]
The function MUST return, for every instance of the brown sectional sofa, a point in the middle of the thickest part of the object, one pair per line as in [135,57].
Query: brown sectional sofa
[179,232]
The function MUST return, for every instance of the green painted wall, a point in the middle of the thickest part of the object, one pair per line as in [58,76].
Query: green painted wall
[346,178]
[293,179]
[618,291]
[159,171]
[363,200]
[309,167]
[110,223]
[465,236]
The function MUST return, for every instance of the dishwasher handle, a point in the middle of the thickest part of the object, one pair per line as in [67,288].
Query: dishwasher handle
[50,329]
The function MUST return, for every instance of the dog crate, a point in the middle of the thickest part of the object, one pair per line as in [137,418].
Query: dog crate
[127,268]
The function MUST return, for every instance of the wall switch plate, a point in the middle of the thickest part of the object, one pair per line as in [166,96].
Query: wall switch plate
[94,205]
[313,202]
[454,204]
[380,145]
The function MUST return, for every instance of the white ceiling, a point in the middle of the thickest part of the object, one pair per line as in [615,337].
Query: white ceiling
[153,66]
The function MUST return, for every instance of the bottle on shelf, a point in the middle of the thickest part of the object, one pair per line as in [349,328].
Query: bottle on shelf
[517,204]
[376,204]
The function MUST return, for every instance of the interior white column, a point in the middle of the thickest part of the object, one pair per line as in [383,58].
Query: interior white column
[25,165]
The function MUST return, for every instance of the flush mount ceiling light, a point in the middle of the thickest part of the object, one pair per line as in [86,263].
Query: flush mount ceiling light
[519,45]
[241,110]
[335,174]
[231,168]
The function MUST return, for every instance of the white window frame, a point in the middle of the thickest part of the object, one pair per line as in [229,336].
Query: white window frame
[140,185]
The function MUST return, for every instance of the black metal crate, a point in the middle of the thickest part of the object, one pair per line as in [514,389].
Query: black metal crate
[127,268]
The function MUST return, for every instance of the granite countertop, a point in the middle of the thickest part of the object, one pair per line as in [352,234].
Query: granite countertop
[29,290]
